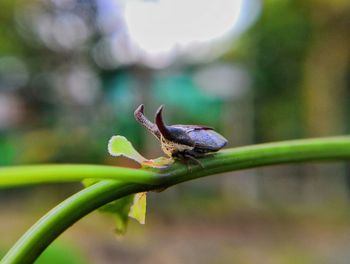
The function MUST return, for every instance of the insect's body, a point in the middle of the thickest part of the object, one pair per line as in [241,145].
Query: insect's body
[170,147]
[182,141]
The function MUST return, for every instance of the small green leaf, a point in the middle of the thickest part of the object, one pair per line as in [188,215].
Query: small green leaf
[120,210]
[138,208]
[133,205]
[130,206]
[120,146]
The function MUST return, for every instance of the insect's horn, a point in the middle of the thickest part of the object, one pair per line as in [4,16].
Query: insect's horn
[139,110]
[160,124]
[143,120]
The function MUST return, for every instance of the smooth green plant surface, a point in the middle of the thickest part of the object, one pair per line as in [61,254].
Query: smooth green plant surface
[131,181]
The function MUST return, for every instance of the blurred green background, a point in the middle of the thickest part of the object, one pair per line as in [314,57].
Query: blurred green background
[73,71]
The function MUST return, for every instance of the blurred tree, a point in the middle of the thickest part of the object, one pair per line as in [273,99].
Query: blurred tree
[326,91]
[298,53]
[279,42]
[11,42]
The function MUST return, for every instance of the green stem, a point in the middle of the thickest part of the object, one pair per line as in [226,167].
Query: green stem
[292,151]
[49,173]
[37,238]
[43,232]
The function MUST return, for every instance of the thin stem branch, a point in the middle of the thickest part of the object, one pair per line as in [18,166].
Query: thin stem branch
[292,151]
[58,173]
[50,226]
[37,238]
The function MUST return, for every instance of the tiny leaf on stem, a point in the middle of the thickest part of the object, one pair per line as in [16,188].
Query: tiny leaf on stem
[120,210]
[120,146]
[135,205]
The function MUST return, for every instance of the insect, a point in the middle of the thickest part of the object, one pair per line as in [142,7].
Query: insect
[181,141]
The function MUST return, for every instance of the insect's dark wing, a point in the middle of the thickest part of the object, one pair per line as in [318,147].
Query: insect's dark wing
[204,139]
[180,135]
[189,128]
[207,140]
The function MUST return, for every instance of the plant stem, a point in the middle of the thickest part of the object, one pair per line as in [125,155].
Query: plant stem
[49,173]
[292,151]
[43,232]
[37,238]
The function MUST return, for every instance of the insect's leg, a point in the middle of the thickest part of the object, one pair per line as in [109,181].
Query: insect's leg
[186,157]
[194,159]
[193,155]
[181,157]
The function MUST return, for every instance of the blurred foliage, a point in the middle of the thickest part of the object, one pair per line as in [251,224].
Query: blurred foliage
[275,49]
[280,42]
[58,253]
[10,43]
